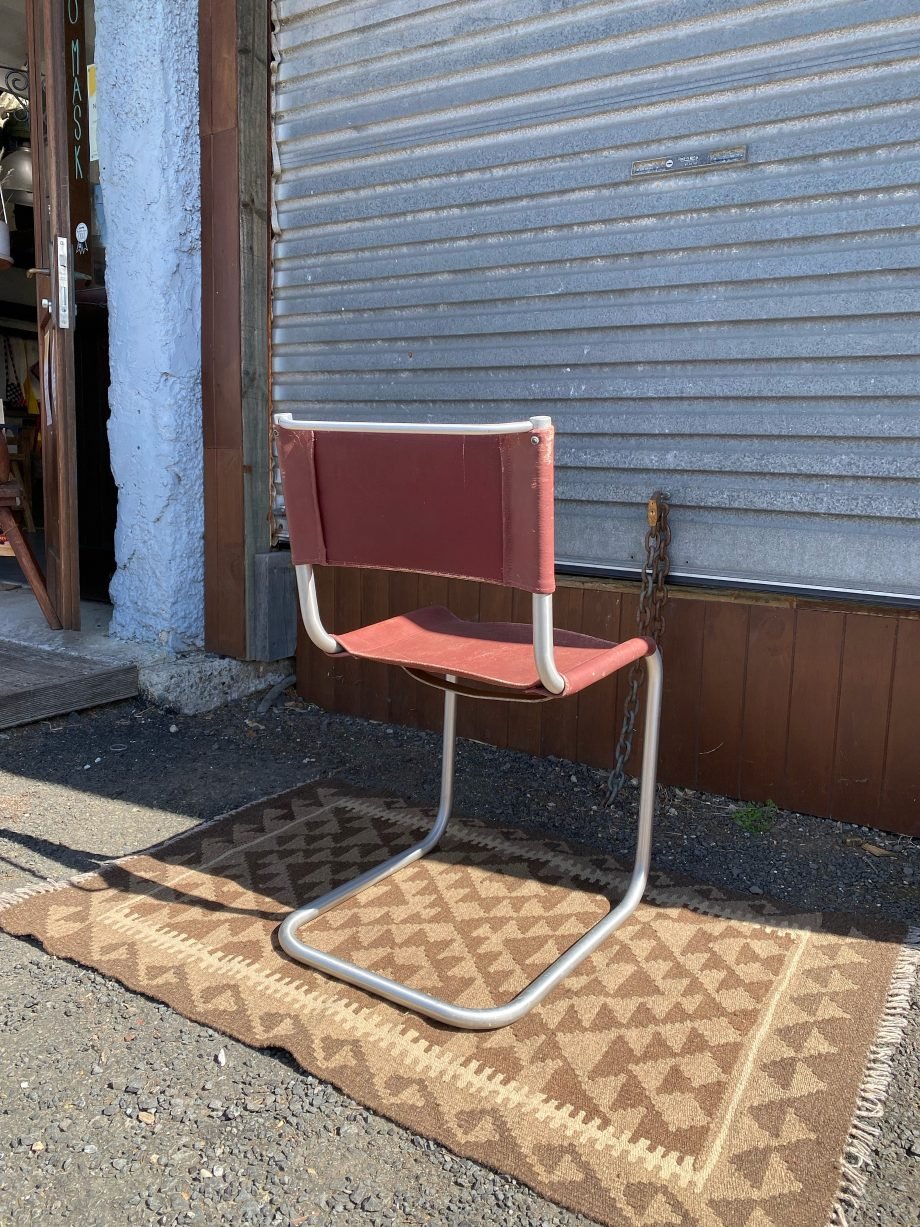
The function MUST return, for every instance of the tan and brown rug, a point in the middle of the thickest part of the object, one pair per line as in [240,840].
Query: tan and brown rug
[714,1064]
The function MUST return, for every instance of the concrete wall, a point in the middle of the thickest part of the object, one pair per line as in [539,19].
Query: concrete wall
[147,63]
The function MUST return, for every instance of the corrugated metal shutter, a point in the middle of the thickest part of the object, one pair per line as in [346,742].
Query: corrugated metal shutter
[461,236]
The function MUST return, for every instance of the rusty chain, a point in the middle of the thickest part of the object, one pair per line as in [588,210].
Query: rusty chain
[653,596]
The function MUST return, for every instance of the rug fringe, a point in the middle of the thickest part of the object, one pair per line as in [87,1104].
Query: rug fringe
[857,1161]
[43,887]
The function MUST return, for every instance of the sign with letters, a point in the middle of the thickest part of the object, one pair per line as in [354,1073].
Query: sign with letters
[78,153]
[676,163]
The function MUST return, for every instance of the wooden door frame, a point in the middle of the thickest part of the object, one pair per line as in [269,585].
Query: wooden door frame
[59,442]
[234,62]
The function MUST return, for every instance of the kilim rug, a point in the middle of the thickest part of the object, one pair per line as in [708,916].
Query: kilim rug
[717,1063]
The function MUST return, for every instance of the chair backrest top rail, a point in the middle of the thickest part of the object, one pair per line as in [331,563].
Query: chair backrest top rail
[289,422]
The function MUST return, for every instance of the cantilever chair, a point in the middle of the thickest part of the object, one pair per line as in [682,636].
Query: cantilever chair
[471,502]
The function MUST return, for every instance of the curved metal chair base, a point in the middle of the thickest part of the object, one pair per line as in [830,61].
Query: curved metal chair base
[495,1016]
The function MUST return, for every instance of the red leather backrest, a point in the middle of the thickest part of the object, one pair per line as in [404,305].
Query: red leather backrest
[469,506]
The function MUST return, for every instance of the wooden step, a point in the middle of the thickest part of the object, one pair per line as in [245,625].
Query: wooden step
[35,683]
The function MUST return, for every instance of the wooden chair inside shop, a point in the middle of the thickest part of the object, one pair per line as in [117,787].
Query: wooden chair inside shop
[470,502]
[13,499]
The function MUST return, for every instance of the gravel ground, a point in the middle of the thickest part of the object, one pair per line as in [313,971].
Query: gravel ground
[148,1118]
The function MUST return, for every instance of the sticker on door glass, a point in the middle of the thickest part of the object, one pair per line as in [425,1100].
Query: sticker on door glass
[82,234]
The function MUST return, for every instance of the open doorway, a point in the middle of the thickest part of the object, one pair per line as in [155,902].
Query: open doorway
[26,294]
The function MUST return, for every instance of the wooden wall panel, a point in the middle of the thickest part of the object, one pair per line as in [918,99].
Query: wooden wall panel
[900,800]
[225,410]
[723,673]
[211,544]
[766,702]
[598,716]
[207,318]
[816,669]
[224,613]
[862,718]
[219,65]
[234,130]
[682,652]
[225,620]
[808,704]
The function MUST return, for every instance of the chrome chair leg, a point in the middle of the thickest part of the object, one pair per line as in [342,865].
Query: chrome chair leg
[492,1017]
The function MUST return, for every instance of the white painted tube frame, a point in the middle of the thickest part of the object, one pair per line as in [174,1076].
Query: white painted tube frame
[544,656]
[487,1018]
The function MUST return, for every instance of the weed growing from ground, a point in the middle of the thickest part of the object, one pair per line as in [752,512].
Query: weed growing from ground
[756,819]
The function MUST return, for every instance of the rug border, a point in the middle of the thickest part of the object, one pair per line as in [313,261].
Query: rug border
[872,1095]
[856,1161]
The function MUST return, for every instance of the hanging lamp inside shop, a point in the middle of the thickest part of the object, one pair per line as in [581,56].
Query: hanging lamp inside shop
[16,176]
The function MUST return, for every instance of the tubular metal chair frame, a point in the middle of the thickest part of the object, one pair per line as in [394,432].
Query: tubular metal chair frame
[470,1018]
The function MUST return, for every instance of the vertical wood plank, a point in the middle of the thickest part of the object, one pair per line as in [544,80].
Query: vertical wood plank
[207,299]
[222,83]
[862,719]
[559,724]
[224,356]
[722,674]
[680,706]
[227,579]
[212,525]
[597,713]
[206,123]
[211,548]
[233,59]
[766,702]
[305,665]
[900,803]
[253,25]
[490,720]
[813,710]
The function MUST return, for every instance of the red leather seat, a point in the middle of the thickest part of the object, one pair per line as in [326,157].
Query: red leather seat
[497,654]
